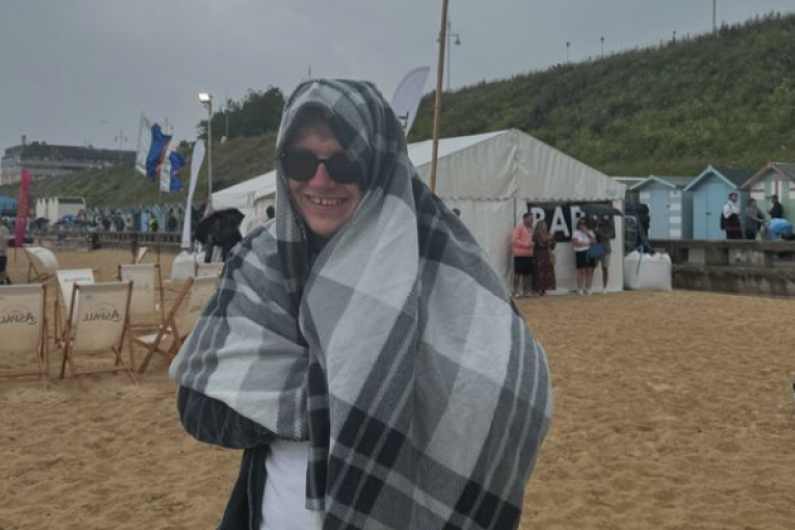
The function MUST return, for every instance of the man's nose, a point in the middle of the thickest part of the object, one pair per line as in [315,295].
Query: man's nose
[321,179]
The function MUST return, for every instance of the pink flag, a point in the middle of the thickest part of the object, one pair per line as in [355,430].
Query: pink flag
[23,205]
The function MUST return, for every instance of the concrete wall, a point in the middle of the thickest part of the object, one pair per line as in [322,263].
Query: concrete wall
[740,280]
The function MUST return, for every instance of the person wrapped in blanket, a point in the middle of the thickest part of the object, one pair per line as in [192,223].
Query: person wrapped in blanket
[360,350]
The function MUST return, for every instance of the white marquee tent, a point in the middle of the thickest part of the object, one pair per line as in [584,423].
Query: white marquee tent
[491,178]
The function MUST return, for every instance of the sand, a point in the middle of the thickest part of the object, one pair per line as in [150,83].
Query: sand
[672,410]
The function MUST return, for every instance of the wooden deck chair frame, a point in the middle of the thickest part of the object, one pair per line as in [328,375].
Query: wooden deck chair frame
[209,269]
[141,254]
[159,312]
[42,264]
[64,285]
[170,327]
[73,329]
[10,315]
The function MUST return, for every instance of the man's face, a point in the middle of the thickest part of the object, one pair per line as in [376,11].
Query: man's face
[733,197]
[528,221]
[323,203]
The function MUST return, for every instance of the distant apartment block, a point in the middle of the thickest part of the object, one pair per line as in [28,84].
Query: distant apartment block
[50,161]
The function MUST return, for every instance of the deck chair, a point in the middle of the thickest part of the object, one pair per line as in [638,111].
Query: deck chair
[42,264]
[147,310]
[179,320]
[209,269]
[97,322]
[23,328]
[67,278]
[141,253]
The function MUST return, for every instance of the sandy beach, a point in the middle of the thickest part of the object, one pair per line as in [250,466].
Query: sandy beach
[672,411]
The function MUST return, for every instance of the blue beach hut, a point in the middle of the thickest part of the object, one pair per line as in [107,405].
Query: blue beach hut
[710,192]
[670,207]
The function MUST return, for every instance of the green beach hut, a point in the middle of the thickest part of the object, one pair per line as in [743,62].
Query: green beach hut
[775,178]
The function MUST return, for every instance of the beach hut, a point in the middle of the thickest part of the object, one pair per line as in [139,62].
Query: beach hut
[710,192]
[493,179]
[670,207]
[775,178]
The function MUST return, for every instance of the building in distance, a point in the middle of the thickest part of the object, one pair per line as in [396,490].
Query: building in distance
[50,161]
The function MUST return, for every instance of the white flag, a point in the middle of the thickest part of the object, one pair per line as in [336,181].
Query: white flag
[144,142]
[408,95]
[195,164]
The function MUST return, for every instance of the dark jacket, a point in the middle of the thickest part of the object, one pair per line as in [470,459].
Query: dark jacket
[213,422]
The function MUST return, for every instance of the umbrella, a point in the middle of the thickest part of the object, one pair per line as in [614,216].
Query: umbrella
[230,217]
[600,210]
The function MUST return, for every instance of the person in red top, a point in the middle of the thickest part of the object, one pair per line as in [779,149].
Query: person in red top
[522,242]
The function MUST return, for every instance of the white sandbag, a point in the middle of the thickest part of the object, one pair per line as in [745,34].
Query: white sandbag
[654,272]
[184,266]
[631,262]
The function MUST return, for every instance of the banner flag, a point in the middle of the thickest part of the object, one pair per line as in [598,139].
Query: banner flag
[177,163]
[23,206]
[407,96]
[157,152]
[197,158]
[170,180]
[144,141]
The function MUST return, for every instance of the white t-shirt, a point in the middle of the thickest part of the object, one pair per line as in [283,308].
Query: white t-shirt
[582,237]
[730,209]
[284,499]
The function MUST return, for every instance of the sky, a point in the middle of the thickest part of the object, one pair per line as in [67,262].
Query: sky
[81,72]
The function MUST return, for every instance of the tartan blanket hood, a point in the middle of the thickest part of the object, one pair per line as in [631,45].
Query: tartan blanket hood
[395,351]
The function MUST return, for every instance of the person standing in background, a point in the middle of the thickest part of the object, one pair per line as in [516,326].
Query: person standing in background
[731,218]
[603,236]
[5,234]
[752,221]
[776,208]
[581,240]
[544,278]
[522,244]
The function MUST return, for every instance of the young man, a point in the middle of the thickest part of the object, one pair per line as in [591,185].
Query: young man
[522,243]
[355,340]
[732,223]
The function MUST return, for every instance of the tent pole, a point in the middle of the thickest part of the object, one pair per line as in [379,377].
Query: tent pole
[438,106]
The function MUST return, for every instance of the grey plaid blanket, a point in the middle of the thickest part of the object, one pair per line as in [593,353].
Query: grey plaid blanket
[397,353]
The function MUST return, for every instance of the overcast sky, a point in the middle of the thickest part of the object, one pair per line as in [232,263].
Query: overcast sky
[79,71]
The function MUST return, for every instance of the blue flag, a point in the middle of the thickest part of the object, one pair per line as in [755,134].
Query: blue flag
[177,163]
[157,152]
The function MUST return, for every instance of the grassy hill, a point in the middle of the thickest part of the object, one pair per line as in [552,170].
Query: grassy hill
[727,99]
[233,162]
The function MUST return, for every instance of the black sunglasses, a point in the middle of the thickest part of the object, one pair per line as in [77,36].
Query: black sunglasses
[302,166]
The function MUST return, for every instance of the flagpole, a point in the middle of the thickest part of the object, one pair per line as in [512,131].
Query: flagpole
[437,112]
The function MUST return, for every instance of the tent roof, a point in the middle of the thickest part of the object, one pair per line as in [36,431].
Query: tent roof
[241,195]
[495,165]
[511,164]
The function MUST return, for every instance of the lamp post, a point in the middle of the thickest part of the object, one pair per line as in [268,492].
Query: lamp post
[567,51]
[207,100]
[449,34]
[603,46]
[121,139]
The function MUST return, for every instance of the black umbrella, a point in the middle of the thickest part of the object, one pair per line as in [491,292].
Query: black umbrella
[230,217]
[599,210]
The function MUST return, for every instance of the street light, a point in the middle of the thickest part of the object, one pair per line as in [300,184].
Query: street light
[603,46]
[449,34]
[207,100]
[567,51]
